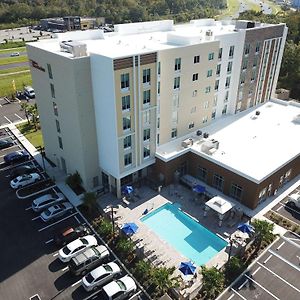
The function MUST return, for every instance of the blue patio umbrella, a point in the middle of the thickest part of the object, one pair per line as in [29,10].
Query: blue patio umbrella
[199,188]
[129,228]
[187,268]
[127,189]
[246,228]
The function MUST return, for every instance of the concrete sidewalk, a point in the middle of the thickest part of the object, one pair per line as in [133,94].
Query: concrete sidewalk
[55,173]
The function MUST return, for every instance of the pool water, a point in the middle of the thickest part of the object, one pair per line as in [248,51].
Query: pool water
[186,235]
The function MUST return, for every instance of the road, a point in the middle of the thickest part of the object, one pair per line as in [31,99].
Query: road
[8,54]
[245,5]
[14,65]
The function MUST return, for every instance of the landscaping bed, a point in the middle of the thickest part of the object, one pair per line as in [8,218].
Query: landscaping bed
[283,222]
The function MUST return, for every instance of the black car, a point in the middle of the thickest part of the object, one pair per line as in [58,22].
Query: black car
[70,234]
[5,144]
[26,169]
[16,156]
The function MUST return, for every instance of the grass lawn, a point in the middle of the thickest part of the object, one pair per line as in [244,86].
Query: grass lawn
[21,79]
[34,137]
[18,49]
[12,70]
[11,60]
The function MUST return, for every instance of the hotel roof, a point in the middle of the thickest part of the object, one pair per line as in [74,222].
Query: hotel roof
[251,144]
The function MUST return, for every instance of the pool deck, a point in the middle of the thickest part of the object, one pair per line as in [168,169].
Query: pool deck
[158,251]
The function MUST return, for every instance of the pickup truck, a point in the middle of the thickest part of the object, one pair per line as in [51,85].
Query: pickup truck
[294,200]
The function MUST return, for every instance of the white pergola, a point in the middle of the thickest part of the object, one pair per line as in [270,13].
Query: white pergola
[219,205]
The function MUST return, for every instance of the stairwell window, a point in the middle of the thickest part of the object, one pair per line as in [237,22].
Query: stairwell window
[127,142]
[177,66]
[126,123]
[146,97]
[176,83]
[127,159]
[196,59]
[126,102]
[52,90]
[125,81]
[146,134]
[146,76]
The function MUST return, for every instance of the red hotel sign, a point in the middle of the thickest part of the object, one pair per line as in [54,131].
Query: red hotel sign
[36,65]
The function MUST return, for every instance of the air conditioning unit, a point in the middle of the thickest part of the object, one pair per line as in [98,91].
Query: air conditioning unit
[199,133]
[187,143]
[209,33]
[205,135]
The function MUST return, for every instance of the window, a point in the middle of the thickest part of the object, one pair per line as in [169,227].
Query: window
[176,83]
[52,90]
[146,134]
[226,96]
[247,49]
[146,97]
[191,125]
[195,76]
[207,90]
[57,126]
[224,110]
[255,61]
[231,51]
[215,100]
[218,182]
[125,81]
[220,54]
[253,75]
[126,102]
[158,68]
[211,56]
[202,174]
[218,71]
[195,93]
[209,73]
[158,122]
[177,64]
[196,59]
[213,114]
[127,142]
[60,143]
[257,47]
[49,71]
[55,109]
[174,133]
[127,159]
[174,117]
[243,77]
[217,85]
[158,88]
[204,119]
[245,64]
[157,141]
[146,76]
[227,83]
[263,193]
[126,123]
[206,104]
[146,151]
[236,191]
[229,67]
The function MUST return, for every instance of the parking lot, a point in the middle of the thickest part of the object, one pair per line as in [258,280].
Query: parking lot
[285,210]
[274,276]
[29,257]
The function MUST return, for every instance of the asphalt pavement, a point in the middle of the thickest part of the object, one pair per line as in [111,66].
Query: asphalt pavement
[14,65]
[9,54]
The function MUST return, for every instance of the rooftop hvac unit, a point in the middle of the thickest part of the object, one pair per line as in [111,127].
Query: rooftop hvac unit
[77,49]
[257,112]
[205,135]
[209,33]
[199,133]
[187,143]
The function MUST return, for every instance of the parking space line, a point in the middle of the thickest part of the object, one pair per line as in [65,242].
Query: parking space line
[28,208]
[261,286]
[295,211]
[7,119]
[35,218]
[19,117]
[64,269]
[49,241]
[284,260]
[279,246]
[246,281]
[279,277]
[236,292]
[279,208]
[57,222]
[77,219]
[76,283]
[55,254]
[232,295]
[267,259]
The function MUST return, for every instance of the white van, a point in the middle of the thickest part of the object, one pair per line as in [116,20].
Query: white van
[29,92]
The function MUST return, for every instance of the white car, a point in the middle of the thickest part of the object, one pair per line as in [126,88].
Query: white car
[56,211]
[76,247]
[294,200]
[24,180]
[46,201]
[119,289]
[99,276]
[15,54]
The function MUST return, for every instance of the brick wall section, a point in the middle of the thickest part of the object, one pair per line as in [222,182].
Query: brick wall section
[251,189]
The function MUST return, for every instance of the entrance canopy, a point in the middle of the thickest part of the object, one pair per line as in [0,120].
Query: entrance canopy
[220,205]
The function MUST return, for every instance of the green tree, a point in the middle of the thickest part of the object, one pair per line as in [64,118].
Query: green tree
[213,282]
[25,107]
[90,201]
[143,270]
[33,112]
[103,227]
[233,268]
[263,232]
[124,246]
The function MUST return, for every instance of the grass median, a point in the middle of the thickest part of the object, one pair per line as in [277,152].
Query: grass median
[21,80]
[13,60]
[19,49]
[33,136]
[14,70]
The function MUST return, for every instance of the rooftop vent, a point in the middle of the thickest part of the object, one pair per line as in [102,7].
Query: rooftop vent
[199,133]
[187,143]
[205,135]
[257,112]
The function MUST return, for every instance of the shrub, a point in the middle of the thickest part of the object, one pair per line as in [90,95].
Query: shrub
[124,246]
[233,268]
[74,180]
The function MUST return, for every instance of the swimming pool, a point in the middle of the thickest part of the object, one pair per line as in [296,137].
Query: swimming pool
[186,235]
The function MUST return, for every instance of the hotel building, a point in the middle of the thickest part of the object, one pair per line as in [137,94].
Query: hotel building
[109,102]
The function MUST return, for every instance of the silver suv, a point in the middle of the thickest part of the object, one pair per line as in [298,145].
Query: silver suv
[89,259]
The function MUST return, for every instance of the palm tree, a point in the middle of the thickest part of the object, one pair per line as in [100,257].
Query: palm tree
[25,107]
[32,110]
[213,282]
[90,201]
[263,232]
[143,270]
[125,246]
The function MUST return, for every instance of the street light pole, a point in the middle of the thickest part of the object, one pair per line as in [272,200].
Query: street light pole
[113,221]
[230,249]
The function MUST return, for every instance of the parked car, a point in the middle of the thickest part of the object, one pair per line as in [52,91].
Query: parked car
[15,54]
[47,200]
[70,234]
[119,289]
[56,211]
[16,156]
[294,200]
[21,170]
[29,92]
[89,259]
[100,276]
[5,144]
[78,246]
[24,180]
